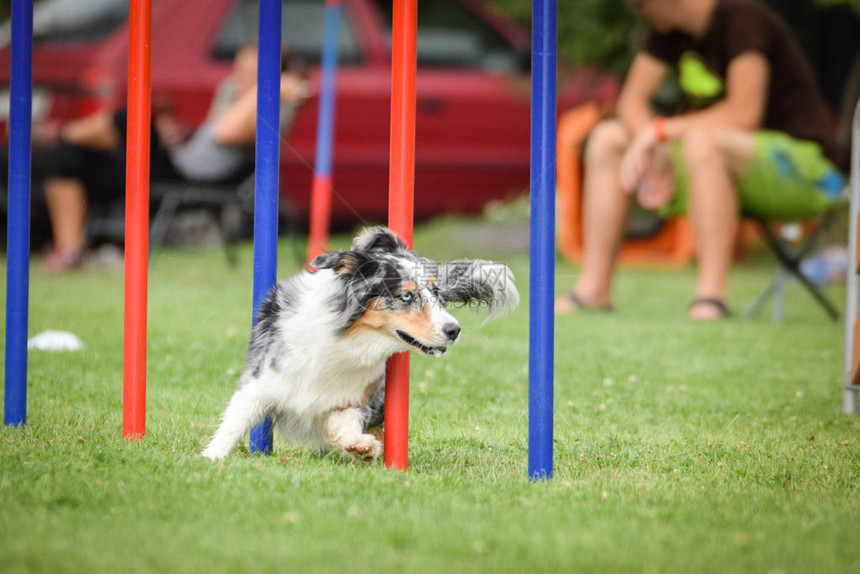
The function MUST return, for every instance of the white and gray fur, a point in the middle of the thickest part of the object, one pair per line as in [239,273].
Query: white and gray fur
[316,360]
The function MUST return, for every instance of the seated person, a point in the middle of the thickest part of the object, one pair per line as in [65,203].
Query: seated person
[88,164]
[755,139]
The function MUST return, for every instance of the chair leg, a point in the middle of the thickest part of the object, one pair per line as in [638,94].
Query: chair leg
[790,263]
[778,309]
[161,222]
[813,289]
[849,399]
[758,305]
[229,222]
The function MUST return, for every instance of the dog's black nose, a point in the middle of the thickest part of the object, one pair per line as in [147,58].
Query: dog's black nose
[451,330]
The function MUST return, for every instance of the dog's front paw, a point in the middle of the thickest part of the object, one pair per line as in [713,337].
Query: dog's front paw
[213,453]
[365,447]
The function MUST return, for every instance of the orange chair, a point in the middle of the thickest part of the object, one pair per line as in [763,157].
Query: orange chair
[671,245]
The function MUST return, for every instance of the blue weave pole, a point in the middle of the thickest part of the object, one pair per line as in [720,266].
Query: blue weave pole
[18,213]
[321,191]
[266,180]
[328,89]
[542,262]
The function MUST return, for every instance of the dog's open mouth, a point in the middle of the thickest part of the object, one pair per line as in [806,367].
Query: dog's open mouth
[434,351]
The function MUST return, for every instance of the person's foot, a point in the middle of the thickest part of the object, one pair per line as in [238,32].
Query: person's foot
[107,256]
[571,303]
[708,309]
[58,261]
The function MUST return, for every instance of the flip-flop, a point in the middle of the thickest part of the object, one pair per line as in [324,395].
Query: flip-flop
[718,304]
[57,261]
[577,304]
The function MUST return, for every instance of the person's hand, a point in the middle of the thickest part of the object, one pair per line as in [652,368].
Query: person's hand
[96,132]
[658,183]
[169,131]
[294,89]
[637,159]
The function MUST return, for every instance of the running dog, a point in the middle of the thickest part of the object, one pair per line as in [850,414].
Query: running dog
[316,360]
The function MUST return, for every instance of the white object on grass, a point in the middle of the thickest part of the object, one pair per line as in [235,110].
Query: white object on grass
[55,341]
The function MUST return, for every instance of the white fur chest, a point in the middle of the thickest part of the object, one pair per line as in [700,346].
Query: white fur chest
[321,370]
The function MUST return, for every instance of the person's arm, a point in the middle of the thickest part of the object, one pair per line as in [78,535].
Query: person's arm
[294,89]
[237,125]
[642,82]
[96,132]
[743,108]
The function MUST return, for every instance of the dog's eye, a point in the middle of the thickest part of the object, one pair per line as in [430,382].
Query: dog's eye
[407,297]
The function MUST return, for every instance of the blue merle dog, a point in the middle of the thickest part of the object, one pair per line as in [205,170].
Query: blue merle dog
[316,360]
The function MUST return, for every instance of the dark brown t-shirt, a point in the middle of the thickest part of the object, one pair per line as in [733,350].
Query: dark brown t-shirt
[794,104]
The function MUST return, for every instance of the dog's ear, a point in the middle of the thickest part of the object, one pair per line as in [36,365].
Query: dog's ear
[470,281]
[342,262]
[378,239]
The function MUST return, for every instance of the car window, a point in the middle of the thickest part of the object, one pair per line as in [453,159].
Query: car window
[450,35]
[73,21]
[303,24]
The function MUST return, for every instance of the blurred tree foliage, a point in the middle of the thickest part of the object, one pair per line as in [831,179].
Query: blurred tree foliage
[605,33]
[590,32]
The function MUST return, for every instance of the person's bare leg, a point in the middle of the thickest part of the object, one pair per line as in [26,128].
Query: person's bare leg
[715,158]
[66,197]
[606,206]
[67,209]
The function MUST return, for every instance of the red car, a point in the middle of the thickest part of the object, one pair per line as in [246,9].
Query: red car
[472,89]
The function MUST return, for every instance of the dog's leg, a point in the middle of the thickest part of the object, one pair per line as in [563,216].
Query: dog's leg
[244,411]
[343,430]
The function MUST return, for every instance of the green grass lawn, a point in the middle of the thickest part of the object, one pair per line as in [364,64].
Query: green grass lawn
[679,447]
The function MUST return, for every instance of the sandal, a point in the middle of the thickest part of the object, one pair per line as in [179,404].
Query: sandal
[57,261]
[718,304]
[574,303]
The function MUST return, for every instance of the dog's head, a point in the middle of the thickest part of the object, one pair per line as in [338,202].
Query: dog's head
[390,290]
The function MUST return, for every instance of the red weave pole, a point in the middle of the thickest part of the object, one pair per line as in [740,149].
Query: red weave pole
[320,216]
[401,187]
[322,186]
[136,220]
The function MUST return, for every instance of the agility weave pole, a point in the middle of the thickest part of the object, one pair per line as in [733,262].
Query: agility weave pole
[851,370]
[268,154]
[542,244]
[137,220]
[401,194]
[18,214]
[321,191]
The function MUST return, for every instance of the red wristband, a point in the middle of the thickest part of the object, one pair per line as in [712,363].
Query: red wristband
[659,124]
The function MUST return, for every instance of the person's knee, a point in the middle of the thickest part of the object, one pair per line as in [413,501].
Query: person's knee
[65,160]
[700,146]
[607,142]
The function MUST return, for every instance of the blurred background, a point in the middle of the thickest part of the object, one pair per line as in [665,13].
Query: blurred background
[473,85]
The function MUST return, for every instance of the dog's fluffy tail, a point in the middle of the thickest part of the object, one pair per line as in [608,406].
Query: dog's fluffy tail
[476,281]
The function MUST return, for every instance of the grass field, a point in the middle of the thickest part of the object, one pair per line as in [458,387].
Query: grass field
[679,447]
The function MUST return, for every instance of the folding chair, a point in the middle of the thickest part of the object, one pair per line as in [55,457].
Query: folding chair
[167,199]
[225,200]
[789,258]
